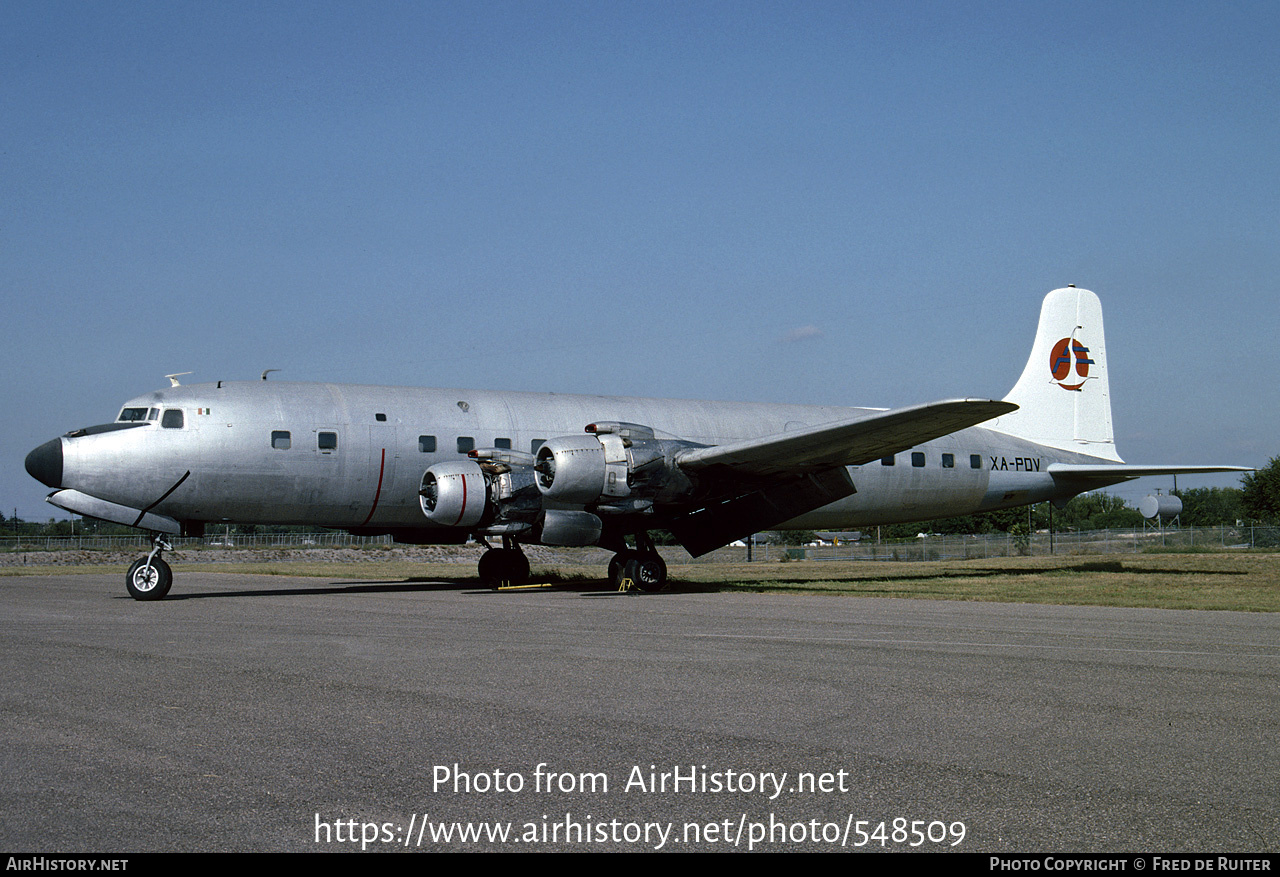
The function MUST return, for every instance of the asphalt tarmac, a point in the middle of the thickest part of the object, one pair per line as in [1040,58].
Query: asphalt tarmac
[271,713]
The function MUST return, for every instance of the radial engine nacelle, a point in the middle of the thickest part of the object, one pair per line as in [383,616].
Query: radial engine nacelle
[616,467]
[492,492]
[494,495]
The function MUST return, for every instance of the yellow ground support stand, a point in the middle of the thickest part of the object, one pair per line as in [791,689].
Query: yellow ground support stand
[507,586]
[624,586]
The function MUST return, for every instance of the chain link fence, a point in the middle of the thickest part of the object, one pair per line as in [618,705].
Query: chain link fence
[926,547]
[142,540]
[937,547]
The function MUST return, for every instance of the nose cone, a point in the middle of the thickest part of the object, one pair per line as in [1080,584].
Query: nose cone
[44,464]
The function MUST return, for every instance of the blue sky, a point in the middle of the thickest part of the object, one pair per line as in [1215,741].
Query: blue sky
[847,203]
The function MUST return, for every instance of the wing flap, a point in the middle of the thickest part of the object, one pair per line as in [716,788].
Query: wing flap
[846,442]
[736,517]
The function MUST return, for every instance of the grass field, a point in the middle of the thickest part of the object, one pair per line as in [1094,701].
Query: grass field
[1240,581]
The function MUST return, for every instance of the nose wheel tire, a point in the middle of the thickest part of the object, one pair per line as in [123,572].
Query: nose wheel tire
[149,581]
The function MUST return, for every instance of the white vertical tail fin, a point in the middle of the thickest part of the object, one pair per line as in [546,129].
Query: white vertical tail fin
[1063,396]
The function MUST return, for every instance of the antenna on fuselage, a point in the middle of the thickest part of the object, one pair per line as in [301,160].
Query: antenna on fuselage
[269,371]
[173,379]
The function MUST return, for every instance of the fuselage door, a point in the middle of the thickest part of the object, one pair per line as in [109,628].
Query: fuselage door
[380,493]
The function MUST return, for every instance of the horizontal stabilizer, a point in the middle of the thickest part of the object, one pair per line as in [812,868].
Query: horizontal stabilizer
[844,443]
[1134,470]
[1091,476]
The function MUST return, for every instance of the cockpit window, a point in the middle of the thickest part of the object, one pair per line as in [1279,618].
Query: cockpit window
[172,418]
[132,415]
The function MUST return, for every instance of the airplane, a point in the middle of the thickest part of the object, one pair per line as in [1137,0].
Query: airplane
[441,466]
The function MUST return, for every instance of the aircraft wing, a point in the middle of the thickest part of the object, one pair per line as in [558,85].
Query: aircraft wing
[781,476]
[845,442]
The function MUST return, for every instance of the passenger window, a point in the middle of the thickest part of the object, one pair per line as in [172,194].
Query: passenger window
[380,417]
[172,418]
[975,461]
[465,444]
[327,441]
[505,444]
[535,444]
[887,461]
[427,444]
[948,461]
[917,459]
[281,440]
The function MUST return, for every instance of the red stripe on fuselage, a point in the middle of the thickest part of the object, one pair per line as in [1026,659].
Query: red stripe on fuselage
[377,493]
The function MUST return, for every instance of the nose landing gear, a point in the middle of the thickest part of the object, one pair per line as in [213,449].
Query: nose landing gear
[150,577]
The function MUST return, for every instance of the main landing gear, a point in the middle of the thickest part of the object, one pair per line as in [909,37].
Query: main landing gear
[150,577]
[504,566]
[642,565]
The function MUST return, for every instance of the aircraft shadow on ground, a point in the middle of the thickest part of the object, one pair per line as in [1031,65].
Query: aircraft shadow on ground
[1091,567]
[363,587]
[601,588]
[470,587]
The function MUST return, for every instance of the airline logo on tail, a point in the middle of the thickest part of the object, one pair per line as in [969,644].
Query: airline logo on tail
[1061,360]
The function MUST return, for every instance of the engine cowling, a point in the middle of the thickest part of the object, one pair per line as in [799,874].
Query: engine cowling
[615,469]
[576,469]
[619,465]
[493,492]
[454,494]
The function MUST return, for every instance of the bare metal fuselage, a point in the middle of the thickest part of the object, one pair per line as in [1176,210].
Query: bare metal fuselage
[353,457]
